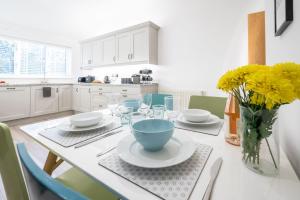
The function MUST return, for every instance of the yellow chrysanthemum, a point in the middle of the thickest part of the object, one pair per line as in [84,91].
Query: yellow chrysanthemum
[275,88]
[235,78]
[290,71]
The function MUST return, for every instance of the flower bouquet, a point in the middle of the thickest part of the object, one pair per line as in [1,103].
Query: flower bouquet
[260,91]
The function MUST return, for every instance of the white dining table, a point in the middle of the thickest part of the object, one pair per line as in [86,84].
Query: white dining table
[235,181]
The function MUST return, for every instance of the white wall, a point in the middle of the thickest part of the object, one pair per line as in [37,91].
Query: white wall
[280,49]
[17,31]
[198,40]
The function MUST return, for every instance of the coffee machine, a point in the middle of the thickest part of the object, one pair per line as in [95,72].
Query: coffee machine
[146,76]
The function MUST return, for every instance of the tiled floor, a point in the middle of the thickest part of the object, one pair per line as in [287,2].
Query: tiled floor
[38,152]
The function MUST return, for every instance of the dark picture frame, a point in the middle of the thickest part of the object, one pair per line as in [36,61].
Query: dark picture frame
[283,12]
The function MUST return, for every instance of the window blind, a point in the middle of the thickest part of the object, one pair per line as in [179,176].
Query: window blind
[32,59]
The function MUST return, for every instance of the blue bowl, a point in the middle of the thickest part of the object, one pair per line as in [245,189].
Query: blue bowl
[133,103]
[153,134]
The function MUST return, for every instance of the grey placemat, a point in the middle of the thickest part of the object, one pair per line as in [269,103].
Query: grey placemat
[68,139]
[172,183]
[210,130]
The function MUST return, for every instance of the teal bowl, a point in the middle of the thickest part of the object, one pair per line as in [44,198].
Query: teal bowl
[153,134]
[133,103]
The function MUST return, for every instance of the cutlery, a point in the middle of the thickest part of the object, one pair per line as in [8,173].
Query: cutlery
[106,151]
[214,171]
[97,138]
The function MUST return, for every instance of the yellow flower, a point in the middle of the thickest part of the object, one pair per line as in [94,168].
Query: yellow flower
[290,71]
[235,78]
[276,89]
[263,86]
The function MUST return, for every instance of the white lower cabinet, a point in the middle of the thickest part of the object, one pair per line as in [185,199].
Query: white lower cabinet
[43,105]
[92,98]
[65,98]
[14,103]
[81,98]
[99,101]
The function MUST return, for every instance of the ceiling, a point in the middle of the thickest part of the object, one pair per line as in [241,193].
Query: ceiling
[78,18]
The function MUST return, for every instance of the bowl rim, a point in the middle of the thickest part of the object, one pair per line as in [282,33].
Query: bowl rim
[170,129]
[206,112]
[77,118]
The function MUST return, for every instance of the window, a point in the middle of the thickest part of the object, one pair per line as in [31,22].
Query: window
[19,58]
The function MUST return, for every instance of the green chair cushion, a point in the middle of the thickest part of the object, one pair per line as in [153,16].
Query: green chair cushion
[78,181]
[216,105]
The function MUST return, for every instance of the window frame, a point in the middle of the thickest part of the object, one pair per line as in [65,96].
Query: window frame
[17,68]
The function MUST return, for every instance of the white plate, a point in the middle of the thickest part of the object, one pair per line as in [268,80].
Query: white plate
[68,127]
[86,119]
[213,119]
[177,150]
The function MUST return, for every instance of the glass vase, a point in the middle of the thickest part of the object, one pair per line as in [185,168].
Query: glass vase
[259,139]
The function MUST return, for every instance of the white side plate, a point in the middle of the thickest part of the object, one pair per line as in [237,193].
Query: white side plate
[179,149]
[213,119]
[68,127]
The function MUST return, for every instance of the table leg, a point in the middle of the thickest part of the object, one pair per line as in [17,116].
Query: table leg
[51,163]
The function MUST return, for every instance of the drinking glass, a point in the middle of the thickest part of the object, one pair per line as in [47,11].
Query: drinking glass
[113,101]
[146,105]
[136,117]
[125,114]
[171,107]
[158,111]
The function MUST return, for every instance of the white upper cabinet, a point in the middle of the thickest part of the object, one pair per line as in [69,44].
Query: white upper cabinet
[134,45]
[97,53]
[140,45]
[86,52]
[109,50]
[123,42]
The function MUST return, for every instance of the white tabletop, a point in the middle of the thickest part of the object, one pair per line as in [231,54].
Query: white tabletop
[235,181]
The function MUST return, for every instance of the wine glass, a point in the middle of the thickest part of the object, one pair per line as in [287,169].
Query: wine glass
[146,104]
[172,105]
[113,101]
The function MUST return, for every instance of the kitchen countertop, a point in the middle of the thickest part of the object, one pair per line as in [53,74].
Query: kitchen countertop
[83,84]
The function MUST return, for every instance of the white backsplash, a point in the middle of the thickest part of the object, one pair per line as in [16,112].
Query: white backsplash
[124,71]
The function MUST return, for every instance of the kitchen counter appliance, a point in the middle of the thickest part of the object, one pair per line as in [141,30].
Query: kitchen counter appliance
[86,79]
[145,76]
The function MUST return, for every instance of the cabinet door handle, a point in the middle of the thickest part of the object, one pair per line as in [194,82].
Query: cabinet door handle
[11,88]
[124,95]
[114,58]
[56,90]
[100,106]
[89,90]
[124,90]
[76,89]
[89,62]
[100,93]
[129,56]
[100,88]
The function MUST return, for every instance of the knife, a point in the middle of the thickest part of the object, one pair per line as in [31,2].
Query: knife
[214,171]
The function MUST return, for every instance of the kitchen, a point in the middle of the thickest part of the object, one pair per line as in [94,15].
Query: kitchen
[62,58]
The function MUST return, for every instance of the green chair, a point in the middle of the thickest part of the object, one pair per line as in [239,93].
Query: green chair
[216,105]
[24,180]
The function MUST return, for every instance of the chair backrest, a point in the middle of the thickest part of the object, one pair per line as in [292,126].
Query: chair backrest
[11,173]
[157,98]
[17,175]
[216,105]
[40,185]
